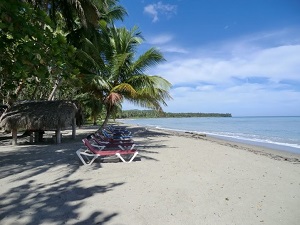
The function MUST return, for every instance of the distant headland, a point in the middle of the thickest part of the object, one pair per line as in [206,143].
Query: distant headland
[136,113]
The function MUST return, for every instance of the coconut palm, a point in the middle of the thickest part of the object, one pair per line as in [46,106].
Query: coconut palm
[90,47]
[125,73]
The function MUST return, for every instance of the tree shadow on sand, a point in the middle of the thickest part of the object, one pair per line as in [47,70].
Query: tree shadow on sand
[56,203]
[150,144]
[145,132]
[38,158]
[60,200]
[33,198]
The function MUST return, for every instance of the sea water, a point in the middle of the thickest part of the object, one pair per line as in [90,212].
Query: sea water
[280,133]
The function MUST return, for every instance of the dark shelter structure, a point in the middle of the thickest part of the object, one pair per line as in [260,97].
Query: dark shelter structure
[39,116]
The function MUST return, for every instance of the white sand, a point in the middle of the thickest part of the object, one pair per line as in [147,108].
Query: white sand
[179,180]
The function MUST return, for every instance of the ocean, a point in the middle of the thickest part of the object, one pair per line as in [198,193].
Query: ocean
[280,133]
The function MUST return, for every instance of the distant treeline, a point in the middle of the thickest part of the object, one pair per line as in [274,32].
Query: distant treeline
[155,114]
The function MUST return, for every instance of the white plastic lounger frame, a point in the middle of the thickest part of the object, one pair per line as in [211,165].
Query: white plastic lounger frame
[87,154]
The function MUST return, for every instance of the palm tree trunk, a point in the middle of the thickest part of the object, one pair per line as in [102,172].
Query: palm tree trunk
[54,89]
[36,88]
[108,113]
[94,120]
[19,88]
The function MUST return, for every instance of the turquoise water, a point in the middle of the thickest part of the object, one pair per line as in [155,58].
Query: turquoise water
[280,133]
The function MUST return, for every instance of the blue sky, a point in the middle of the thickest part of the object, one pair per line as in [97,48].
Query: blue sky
[226,56]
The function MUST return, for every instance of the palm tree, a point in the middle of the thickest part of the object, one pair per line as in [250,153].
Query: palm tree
[109,68]
[90,47]
[126,75]
[79,21]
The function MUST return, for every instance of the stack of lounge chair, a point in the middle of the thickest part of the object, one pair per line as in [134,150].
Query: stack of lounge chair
[109,143]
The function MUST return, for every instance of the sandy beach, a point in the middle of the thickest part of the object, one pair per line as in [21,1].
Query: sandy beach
[179,178]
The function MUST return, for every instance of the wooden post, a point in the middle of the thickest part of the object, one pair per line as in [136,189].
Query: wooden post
[40,135]
[58,137]
[14,134]
[74,128]
[31,137]
[36,136]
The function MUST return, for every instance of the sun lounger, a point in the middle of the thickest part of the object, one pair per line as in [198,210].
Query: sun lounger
[89,155]
[99,135]
[118,130]
[96,142]
[115,136]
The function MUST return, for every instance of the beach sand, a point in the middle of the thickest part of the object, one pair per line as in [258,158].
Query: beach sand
[180,178]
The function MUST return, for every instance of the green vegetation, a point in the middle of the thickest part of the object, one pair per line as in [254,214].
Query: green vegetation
[154,114]
[72,50]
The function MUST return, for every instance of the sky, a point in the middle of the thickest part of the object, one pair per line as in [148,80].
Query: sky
[224,56]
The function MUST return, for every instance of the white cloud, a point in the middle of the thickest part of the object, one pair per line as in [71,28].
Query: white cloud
[150,9]
[244,100]
[273,63]
[163,43]
[160,39]
[173,49]
[156,9]
[205,88]
[249,76]
[245,79]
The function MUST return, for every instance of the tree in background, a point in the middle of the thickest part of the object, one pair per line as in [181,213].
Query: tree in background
[32,53]
[72,50]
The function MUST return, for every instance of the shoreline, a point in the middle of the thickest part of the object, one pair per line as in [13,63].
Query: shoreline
[272,146]
[180,178]
[278,133]
[265,151]
[256,149]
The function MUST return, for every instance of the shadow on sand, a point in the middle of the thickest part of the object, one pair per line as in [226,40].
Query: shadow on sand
[33,198]
[56,201]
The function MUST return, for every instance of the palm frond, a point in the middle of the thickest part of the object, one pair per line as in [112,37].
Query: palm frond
[147,103]
[120,65]
[125,89]
[152,91]
[86,58]
[124,40]
[115,13]
[142,81]
[150,58]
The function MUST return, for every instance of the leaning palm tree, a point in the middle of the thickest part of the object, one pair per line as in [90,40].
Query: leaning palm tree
[126,76]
